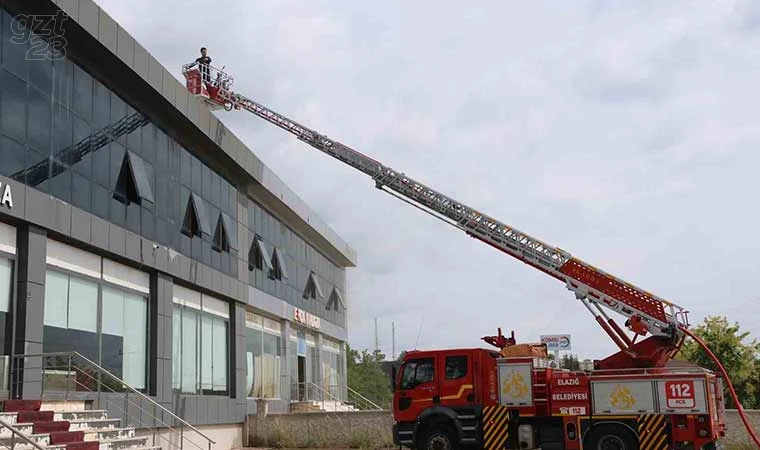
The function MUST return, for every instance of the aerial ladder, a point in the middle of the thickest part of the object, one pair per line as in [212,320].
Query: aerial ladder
[645,313]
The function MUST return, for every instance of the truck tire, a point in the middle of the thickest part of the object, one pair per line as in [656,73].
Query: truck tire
[438,437]
[610,437]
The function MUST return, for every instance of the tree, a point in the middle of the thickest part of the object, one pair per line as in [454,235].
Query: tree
[739,358]
[367,377]
[570,362]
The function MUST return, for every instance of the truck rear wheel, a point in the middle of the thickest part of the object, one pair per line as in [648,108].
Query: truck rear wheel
[438,437]
[610,437]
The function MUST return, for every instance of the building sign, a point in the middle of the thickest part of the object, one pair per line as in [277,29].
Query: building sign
[6,199]
[304,318]
[556,342]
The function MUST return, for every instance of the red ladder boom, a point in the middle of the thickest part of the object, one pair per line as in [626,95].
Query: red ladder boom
[597,290]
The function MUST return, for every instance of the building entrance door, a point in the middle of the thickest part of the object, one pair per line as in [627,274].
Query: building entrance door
[302,390]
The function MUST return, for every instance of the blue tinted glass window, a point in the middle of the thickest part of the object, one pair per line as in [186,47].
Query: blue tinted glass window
[13,105]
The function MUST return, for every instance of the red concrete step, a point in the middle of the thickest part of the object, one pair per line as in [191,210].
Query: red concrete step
[85,445]
[22,405]
[66,437]
[50,427]
[35,416]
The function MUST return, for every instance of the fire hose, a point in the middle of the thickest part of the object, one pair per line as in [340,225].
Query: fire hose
[723,372]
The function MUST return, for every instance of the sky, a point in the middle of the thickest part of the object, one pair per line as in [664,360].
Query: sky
[626,133]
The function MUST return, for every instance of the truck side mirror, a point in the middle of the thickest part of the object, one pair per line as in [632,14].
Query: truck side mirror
[394,371]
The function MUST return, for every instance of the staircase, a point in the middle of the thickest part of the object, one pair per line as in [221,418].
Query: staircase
[318,399]
[321,406]
[70,411]
[65,429]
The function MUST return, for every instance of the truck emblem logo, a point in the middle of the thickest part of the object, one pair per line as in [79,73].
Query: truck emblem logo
[622,398]
[514,385]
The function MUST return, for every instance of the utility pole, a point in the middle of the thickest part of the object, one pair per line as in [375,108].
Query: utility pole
[393,341]
[377,343]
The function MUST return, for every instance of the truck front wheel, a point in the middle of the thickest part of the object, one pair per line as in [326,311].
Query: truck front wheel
[438,437]
[610,437]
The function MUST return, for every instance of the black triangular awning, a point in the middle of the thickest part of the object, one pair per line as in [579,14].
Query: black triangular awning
[221,241]
[133,184]
[258,252]
[224,234]
[335,300]
[278,262]
[312,289]
[194,222]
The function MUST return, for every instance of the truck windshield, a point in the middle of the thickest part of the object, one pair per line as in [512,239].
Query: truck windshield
[416,372]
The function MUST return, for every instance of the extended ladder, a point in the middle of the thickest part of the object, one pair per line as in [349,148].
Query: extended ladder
[596,289]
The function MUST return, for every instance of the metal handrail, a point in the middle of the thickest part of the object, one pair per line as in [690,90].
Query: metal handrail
[132,403]
[363,398]
[119,380]
[334,398]
[16,432]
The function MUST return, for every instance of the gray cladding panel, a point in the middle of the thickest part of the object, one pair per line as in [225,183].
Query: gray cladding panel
[125,46]
[36,252]
[100,231]
[37,210]
[155,73]
[141,61]
[70,7]
[132,246]
[116,239]
[80,225]
[35,309]
[89,16]
[59,218]
[107,31]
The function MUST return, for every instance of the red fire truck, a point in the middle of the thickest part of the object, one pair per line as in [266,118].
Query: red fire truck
[514,397]
[445,398]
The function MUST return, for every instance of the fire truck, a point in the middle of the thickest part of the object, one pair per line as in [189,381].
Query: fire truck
[515,397]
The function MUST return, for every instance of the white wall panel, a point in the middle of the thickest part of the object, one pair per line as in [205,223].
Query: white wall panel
[215,306]
[187,297]
[7,239]
[128,277]
[71,258]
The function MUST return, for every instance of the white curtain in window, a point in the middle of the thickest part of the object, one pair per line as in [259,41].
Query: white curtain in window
[207,350]
[219,352]
[113,312]
[176,347]
[249,373]
[6,278]
[189,355]
[56,299]
[83,305]
[258,381]
[135,335]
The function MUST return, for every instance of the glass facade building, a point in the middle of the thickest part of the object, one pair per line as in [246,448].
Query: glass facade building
[148,243]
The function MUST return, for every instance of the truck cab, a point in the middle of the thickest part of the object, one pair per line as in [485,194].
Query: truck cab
[438,396]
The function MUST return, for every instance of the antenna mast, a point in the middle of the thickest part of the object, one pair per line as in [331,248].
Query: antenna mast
[393,340]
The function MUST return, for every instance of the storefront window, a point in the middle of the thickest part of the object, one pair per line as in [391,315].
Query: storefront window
[6,283]
[263,354]
[117,339]
[123,344]
[201,333]
[332,368]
